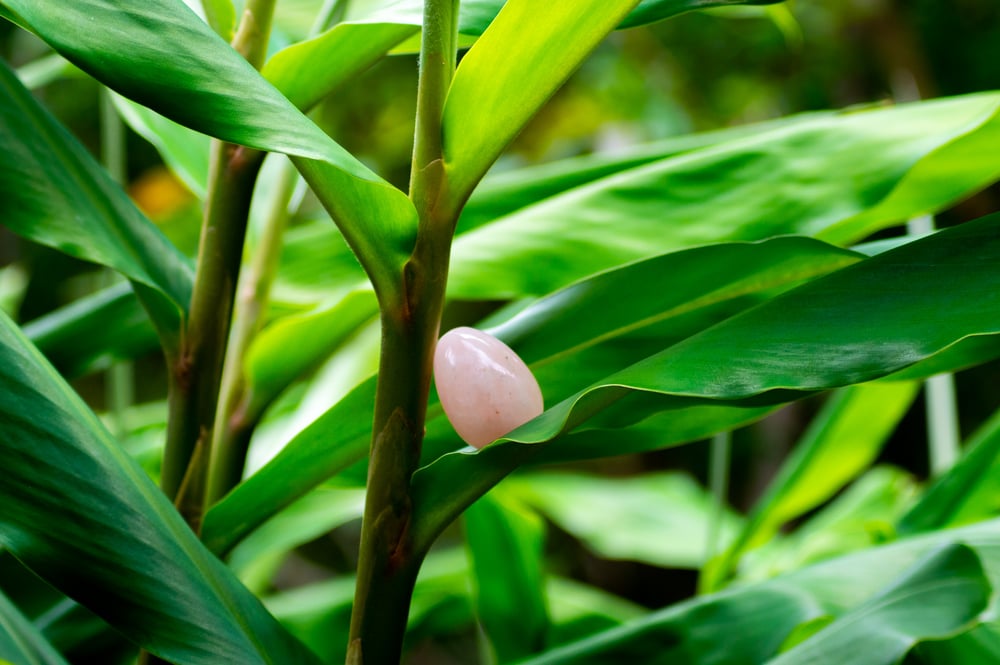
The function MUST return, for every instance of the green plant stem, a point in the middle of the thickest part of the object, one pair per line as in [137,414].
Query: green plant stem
[196,372]
[238,412]
[718,482]
[388,561]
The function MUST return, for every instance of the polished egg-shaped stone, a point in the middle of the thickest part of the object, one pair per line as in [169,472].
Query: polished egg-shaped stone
[486,390]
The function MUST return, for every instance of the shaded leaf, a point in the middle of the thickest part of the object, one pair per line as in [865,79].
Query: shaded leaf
[56,194]
[144,571]
[661,519]
[21,643]
[506,542]
[163,56]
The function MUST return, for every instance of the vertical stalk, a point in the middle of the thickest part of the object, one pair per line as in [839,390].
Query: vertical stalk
[196,374]
[388,561]
[718,483]
[235,422]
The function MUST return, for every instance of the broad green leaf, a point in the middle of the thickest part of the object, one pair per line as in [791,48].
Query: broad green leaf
[634,302]
[56,194]
[289,347]
[841,442]
[979,645]
[506,543]
[305,520]
[861,516]
[840,176]
[501,194]
[527,52]
[315,265]
[163,56]
[333,442]
[860,323]
[143,571]
[21,643]
[656,518]
[650,11]
[755,620]
[308,71]
[91,332]
[883,629]
[969,491]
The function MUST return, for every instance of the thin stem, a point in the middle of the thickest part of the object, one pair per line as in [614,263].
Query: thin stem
[388,562]
[196,372]
[236,421]
[718,482]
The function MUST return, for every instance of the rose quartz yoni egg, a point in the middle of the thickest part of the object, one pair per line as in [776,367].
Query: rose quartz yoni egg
[486,390]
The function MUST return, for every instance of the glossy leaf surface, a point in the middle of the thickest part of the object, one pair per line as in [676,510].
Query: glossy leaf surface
[839,176]
[56,194]
[144,571]
[163,56]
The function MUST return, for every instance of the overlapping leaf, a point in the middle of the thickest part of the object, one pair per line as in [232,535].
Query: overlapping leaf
[860,323]
[755,621]
[56,194]
[164,57]
[839,176]
[143,571]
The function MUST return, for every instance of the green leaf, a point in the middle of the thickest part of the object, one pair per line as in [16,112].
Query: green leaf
[882,630]
[841,176]
[650,11]
[841,442]
[89,333]
[506,543]
[163,56]
[143,571]
[221,15]
[635,307]
[330,444]
[967,492]
[656,518]
[754,620]
[21,643]
[289,347]
[527,52]
[860,323]
[56,194]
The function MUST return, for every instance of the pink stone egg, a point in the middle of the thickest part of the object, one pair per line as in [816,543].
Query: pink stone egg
[486,390]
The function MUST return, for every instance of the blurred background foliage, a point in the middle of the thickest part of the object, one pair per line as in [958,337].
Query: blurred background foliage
[701,71]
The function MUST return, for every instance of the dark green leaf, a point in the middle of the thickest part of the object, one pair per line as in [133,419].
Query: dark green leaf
[55,193]
[506,542]
[143,571]
[166,58]
[860,323]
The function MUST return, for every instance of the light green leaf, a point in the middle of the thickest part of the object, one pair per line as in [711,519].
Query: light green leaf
[221,15]
[527,52]
[56,194]
[656,518]
[883,629]
[841,442]
[969,491]
[839,176]
[143,571]
[506,542]
[163,56]
[754,620]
